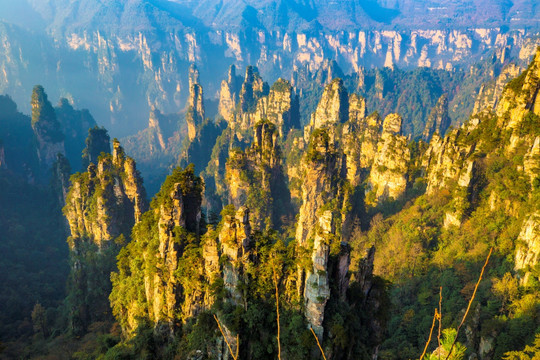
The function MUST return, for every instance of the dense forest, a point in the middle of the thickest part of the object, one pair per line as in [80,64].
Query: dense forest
[335,216]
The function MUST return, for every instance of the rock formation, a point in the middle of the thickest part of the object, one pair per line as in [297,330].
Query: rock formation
[333,107]
[47,128]
[228,95]
[318,231]
[388,176]
[438,120]
[195,111]
[528,249]
[255,178]
[102,206]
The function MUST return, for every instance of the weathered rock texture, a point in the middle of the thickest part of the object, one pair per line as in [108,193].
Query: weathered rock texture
[520,96]
[106,201]
[102,206]
[47,128]
[319,225]
[438,120]
[255,178]
[528,249]
[195,110]
[388,176]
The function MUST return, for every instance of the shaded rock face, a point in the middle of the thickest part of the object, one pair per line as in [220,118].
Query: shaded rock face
[164,292]
[359,136]
[160,129]
[3,165]
[112,191]
[333,107]
[102,205]
[97,142]
[319,225]
[388,176]
[228,95]
[528,251]
[255,178]
[195,112]
[438,120]
[235,240]
[46,128]
[75,125]
[281,108]
[489,94]
[521,96]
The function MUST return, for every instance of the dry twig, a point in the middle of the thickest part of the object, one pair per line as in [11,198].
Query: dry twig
[318,343]
[440,320]
[470,303]
[277,312]
[235,357]
[435,316]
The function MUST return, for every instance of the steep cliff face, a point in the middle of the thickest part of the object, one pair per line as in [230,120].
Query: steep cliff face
[106,201]
[281,108]
[318,231]
[195,110]
[101,207]
[255,178]
[228,94]
[445,158]
[47,128]
[528,250]
[438,120]
[489,94]
[388,177]
[236,242]
[520,96]
[333,107]
[17,136]
[164,243]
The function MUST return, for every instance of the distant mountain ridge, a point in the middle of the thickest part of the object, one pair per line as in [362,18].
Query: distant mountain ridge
[272,15]
[123,58]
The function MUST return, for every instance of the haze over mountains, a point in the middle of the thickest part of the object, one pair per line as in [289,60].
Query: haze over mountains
[134,55]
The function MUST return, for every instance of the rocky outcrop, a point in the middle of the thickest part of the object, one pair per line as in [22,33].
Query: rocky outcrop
[97,142]
[252,102]
[46,128]
[333,107]
[388,177]
[445,160]
[255,178]
[236,243]
[281,108]
[228,95]
[528,249]
[102,206]
[106,201]
[531,161]
[319,226]
[438,120]
[60,180]
[490,93]
[75,124]
[360,136]
[180,210]
[521,96]
[195,106]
